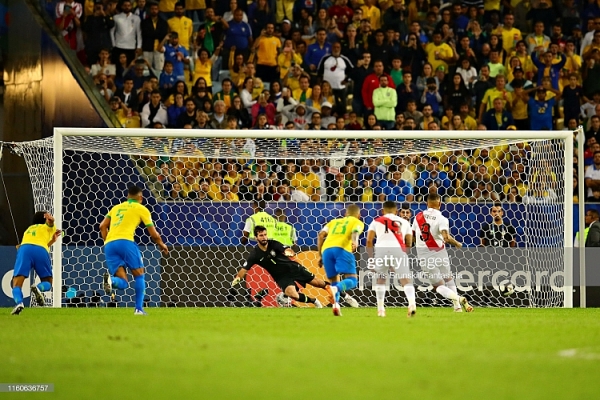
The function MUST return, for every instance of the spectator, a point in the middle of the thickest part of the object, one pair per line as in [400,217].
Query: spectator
[126,35]
[315,99]
[371,83]
[175,110]
[97,33]
[538,41]
[177,55]
[431,97]
[457,94]
[439,53]
[385,101]
[238,34]
[519,107]
[549,68]
[128,96]
[167,79]
[297,114]
[204,65]
[497,118]
[263,107]
[266,48]
[304,92]
[572,95]
[394,17]
[396,189]
[316,52]
[189,116]
[240,113]
[68,14]
[233,6]
[359,75]
[428,118]
[202,120]
[335,69]
[155,32]
[154,112]
[213,30]
[259,15]
[498,92]
[305,184]
[433,180]
[218,120]
[540,109]
[406,91]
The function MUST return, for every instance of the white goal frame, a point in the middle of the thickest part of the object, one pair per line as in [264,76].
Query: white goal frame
[566,136]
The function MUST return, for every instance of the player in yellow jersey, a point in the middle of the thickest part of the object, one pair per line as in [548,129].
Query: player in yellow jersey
[336,243]
[120,250]
[33,253]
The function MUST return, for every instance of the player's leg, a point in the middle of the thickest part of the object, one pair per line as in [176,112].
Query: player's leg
[446,272]
[291,292]
[17,292]
[345,265]
[381,279]
[403,275]
[139,285]
[329,263]
[23,265]
[133,260]
[43,268]
[115,255]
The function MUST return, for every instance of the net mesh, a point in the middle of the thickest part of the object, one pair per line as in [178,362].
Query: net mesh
[200,193]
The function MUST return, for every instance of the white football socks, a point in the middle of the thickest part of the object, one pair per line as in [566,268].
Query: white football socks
[448,293]
[409,291]
[452,286]
[380,294]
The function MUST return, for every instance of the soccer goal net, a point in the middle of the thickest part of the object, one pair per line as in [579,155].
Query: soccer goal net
[508,196]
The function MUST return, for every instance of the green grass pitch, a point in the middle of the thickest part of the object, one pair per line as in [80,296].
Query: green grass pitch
[226,353]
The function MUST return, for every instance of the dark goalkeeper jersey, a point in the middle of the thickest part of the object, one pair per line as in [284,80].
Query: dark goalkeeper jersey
[498,235]
[273,260]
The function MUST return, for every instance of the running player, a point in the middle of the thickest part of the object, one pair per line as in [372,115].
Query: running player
[432,232]
[389,257]
[278,261]
[336,243]
[120,250]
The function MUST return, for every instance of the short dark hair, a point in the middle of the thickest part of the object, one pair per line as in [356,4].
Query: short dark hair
[134,191]
[179,4]
[39,218]
[388,205]
[155,91]
[433,197]
[258,229]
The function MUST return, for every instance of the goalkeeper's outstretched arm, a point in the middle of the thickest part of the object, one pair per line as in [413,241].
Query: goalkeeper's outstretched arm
[239,277]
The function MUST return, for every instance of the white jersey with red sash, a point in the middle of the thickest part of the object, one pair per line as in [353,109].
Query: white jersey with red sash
[390,248]
[429,242]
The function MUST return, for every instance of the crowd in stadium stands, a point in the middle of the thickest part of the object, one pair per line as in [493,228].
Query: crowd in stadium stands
[359,64]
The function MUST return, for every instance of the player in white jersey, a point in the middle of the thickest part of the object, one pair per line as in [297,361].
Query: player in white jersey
[389,259]
[432,232]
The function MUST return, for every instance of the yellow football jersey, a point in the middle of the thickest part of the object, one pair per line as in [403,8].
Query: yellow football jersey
[39,235]
[125,218]
[339,232]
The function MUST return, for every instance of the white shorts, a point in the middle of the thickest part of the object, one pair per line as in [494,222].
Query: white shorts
[394,262]
[435,266]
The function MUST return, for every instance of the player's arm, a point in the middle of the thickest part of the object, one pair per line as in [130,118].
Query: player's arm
[243,270]
[370,243]
[104,225]
[450,240]
[320,240]
[280,248]
[408,240]
[55,237]
[355,236]
[246,231]
[157,239]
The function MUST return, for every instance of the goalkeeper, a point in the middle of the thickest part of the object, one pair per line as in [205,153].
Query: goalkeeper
[278,261]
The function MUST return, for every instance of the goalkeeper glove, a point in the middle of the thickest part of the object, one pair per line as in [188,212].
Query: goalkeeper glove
[236,281]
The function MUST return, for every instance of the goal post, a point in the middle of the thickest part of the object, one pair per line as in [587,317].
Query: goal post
[95,165]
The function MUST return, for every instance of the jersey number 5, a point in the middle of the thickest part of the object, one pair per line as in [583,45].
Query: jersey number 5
[119,218]
[425,232]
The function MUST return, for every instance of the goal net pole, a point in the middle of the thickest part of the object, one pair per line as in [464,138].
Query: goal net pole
[581,211]
[565,137]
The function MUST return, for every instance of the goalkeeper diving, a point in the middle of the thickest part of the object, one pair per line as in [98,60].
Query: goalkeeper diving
[278,261]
